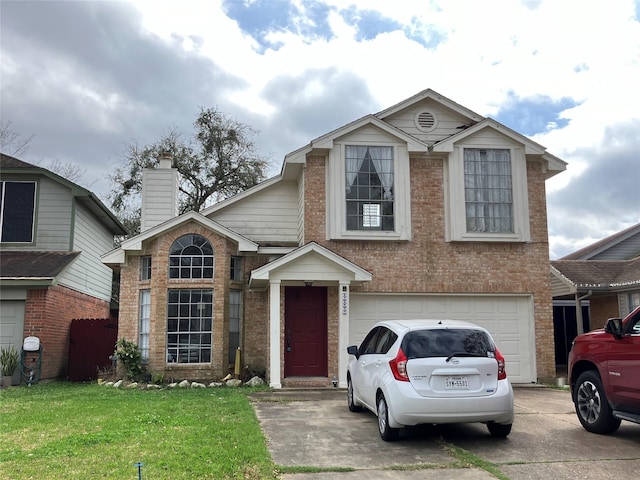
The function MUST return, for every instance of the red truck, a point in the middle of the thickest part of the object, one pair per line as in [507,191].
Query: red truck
[604,374]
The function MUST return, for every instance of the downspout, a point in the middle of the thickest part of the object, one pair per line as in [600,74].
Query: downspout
[579,311]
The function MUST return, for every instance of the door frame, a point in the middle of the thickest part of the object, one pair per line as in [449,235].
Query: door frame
[319,295]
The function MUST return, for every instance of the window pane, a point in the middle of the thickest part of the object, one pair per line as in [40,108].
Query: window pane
[189,330]
[145,268]
[488,193]
[18,201]
[370,188]
[191,252]
[145,324]
[235,297]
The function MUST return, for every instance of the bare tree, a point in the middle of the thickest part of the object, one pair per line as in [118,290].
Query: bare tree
[12,143]
[68,170]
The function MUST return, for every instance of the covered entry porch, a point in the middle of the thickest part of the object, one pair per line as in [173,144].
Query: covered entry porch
[309,291]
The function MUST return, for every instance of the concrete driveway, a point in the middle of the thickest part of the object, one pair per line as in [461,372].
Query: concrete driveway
[314,428]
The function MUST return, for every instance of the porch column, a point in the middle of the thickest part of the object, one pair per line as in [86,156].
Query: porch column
[274,334]
[343,333]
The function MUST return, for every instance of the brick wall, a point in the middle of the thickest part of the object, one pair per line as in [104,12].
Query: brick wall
[603,308]
[48,316]
[159,284]
[429,264]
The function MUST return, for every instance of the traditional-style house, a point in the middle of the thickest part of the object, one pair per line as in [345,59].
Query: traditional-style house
[425,209]
[593,284]
[53,233]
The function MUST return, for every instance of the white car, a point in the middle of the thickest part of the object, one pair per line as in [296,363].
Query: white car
[410,372]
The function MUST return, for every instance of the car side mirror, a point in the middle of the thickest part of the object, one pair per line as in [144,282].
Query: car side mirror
[614,326]
[353,350]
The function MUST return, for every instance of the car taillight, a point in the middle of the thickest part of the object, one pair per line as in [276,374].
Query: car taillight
[502,372]
[399,367]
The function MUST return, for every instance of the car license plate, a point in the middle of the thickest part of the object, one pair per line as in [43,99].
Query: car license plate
[456,383]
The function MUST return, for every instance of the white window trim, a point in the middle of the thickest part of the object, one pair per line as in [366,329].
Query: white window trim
[336,207]
[144,323]
[455,211]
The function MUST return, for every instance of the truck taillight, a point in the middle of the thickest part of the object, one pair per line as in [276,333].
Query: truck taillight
[399,367]
[502,372]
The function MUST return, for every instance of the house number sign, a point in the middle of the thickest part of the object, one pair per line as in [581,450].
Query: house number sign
[344,303]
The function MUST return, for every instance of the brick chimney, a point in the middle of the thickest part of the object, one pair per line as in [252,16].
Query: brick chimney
[159,193]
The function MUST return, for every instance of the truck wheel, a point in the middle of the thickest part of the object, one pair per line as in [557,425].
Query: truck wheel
[592,406]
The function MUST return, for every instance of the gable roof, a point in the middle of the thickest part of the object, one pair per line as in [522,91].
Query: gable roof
[339,267]
[428,93]
[134,244]
[12,165]
[326,141]
[554,164]
[33,267]
[600,246]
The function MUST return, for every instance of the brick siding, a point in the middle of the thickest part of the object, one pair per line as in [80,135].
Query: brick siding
[426,264]
[48,316]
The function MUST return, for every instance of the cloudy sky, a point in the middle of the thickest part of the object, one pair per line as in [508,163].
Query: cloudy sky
[86,78]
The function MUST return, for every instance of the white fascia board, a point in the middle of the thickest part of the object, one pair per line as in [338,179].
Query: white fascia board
[554,163]
[435,96]
[531,147]
[297,156]
[360,274]
[572,287]
[413,144]
[135,243]
[114,257]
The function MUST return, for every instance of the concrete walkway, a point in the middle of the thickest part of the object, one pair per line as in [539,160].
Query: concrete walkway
[314,428]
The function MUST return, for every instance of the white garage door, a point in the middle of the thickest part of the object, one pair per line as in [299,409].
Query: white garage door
[508,318]
[12,327]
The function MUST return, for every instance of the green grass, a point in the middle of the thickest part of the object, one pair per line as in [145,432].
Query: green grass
[64,430]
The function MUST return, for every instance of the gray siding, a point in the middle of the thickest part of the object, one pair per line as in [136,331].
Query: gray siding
[449,122]
[625,250]
[54,216]
[88,274]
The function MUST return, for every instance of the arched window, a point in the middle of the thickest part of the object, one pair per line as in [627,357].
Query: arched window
[191,256]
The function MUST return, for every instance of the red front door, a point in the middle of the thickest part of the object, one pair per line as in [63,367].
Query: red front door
[305,329]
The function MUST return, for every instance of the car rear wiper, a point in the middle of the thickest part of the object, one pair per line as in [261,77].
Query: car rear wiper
[461,354]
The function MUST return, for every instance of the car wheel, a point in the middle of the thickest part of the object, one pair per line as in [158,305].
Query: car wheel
[386,432]
[353,407]
[499,429]
[592,406]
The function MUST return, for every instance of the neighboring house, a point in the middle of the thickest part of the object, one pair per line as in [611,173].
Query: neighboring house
[53,233]
[605,275]
[423,210]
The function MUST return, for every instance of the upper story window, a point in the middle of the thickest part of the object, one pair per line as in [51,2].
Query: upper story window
[487,190]
[487,197]
[191,256]
[145,267]
[17,211]
[369,188]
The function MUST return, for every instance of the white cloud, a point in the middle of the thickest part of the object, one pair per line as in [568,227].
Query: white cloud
[179,56]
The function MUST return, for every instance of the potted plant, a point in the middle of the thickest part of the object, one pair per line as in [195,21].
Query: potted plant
[9,360]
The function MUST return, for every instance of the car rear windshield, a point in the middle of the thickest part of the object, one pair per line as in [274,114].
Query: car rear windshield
[445,342]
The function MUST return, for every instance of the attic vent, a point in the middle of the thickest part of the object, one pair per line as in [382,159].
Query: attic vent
[426,121]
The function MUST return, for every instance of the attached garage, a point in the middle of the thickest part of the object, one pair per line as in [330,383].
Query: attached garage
[12,327]
[509,318]
[11,322]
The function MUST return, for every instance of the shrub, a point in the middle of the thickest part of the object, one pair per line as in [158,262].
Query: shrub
[130,357]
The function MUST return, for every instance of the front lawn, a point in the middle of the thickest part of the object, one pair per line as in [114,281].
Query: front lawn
[65,430]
